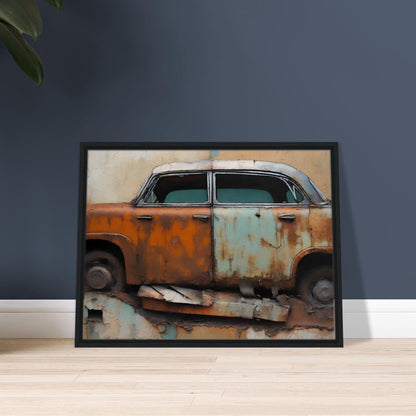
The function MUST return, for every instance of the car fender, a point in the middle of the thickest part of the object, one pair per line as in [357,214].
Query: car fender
[302,254]
[127,247]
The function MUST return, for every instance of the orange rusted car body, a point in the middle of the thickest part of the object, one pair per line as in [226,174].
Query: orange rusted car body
[214,244]
[171,248]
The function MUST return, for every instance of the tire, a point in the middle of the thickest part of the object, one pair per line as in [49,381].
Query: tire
[103,271]
[316,286]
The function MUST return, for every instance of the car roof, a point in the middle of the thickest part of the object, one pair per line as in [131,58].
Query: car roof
[313,192]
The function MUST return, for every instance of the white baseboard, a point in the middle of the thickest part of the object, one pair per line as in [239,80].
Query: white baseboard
[379,318]
[37,318]
[363,318]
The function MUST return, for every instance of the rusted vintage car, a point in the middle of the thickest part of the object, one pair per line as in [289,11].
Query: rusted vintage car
[259,227]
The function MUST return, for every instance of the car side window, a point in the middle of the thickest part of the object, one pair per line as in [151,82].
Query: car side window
[294,196]
[179,189]
[255,189]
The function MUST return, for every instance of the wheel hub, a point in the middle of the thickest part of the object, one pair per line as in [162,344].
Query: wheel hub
[323,291]
[99,277]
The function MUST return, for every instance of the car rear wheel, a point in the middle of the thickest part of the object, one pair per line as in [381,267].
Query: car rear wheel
[104,271]
[316,286]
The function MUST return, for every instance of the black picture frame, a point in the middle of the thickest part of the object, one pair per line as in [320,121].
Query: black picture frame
[85,147]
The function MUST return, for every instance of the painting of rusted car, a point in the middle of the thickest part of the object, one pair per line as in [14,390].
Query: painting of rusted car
[246,239]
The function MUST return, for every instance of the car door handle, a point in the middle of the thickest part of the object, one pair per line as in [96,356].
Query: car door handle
[203,218]
[144,217]
[287,217]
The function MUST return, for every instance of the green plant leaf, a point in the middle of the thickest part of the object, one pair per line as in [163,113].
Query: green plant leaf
[23,15]
[27,59]
[56,3]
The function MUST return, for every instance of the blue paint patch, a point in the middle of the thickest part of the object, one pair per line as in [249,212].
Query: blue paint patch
[126,315]
[93,329]
[213,153]
[246,241]
[170,332]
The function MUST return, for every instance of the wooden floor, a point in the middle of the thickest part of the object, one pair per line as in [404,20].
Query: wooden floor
[51,377]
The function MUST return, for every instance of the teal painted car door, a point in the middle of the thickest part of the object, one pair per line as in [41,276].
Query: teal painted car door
[258,228]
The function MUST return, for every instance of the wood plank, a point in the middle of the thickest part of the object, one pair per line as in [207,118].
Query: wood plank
[51,377]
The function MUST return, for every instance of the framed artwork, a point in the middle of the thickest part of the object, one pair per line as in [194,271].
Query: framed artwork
[209,244]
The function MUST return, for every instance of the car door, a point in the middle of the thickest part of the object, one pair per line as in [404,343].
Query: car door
[174,230]
[260,222]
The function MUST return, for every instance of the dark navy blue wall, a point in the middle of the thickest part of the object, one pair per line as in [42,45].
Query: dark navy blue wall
[235,70]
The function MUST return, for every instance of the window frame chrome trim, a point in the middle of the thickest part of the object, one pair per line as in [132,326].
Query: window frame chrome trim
[287,180]
[150,184]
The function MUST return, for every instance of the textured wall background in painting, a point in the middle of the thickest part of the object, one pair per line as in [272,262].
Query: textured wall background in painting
[117,175]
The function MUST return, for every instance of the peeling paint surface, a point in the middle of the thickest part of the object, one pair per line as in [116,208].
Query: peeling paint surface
[174,247]
[120,321]
[299,333]
[254,243]
[124,318]
[320,220]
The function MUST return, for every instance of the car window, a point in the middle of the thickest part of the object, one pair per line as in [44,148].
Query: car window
[179,189]
[254,188]
[294,196]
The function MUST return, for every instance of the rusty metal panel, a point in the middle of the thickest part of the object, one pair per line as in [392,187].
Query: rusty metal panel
[127,247]
[295,236]
[320,220]
[245,242]
[304,315]
[270,310]
[168,245]
[112,218]
[174,246]
[115,223]
[207,302]
[254,243]
[176,294]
